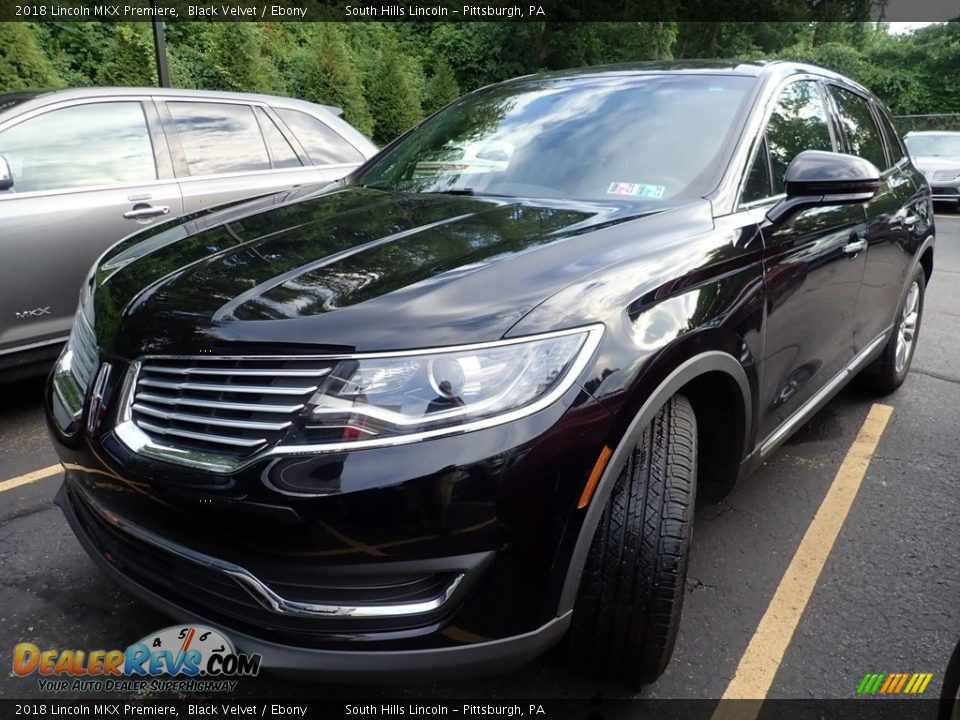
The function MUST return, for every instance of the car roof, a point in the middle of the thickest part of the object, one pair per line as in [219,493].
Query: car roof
[9,99]
[19,95]
[100,92]
[765,70]
[933,132]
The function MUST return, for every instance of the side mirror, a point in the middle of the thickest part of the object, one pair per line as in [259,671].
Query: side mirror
[815,177]
[6,176]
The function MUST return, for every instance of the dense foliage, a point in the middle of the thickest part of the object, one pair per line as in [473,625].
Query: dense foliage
[387,76]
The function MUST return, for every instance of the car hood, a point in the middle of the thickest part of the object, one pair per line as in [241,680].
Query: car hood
[346,270]
[928,164]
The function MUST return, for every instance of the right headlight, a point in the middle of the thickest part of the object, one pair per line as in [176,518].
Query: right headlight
[385,399]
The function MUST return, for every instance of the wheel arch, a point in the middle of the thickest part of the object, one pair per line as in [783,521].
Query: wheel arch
[926,262]
[706,369]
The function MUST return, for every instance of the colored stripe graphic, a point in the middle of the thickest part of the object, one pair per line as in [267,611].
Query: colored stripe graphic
[903,679]
[910,685]
[894,683]
[918,683]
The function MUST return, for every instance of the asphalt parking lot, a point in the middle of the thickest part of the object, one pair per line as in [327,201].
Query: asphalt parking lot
[887,599]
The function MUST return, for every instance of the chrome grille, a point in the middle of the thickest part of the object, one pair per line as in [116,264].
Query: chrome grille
[222,406]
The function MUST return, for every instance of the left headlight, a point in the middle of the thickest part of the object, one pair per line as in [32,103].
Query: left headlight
[385,399]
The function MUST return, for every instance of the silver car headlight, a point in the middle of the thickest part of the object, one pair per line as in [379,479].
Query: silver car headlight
[390,398]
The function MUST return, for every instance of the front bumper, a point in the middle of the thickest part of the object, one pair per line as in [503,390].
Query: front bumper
[472,534]
[356,666]
[945,192]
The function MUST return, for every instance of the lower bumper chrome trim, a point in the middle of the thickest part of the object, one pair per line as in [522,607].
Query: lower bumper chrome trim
[262,593]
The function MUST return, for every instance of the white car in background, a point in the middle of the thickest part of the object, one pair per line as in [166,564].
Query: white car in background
[937,155]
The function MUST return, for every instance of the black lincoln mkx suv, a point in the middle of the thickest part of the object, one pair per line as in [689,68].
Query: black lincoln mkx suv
[436,416]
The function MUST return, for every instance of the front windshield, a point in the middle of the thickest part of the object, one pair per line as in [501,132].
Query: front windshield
[628,137]
[934,145]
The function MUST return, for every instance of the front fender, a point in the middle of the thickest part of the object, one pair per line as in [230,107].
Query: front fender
[692,368]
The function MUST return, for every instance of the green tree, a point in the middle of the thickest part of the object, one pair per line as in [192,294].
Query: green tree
[442,88]
[476,52]
[78,50]
[23,63]
[237,61]
[325,71]
[130,58]
[391,96]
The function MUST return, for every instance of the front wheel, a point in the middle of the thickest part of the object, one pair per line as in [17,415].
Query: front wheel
[627,611]
[888,371]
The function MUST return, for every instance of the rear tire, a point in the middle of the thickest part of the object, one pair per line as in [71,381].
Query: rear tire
[889,370]
[630,598]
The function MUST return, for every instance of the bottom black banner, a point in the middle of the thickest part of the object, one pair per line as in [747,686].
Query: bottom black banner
[594,709]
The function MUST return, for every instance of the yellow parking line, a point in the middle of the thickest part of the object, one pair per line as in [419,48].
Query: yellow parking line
[30,477]
[766,649]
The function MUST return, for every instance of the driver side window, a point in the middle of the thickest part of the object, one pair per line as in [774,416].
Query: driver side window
[799,122]
[88,145]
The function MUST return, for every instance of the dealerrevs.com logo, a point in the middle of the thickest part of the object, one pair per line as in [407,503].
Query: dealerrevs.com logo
[180,658]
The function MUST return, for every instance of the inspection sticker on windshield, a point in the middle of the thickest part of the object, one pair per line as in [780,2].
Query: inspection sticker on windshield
[636,190]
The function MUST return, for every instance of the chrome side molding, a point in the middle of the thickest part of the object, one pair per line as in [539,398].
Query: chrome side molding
[805,411]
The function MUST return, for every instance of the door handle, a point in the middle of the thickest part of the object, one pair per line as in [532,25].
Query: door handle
[855,246]
[146,212]
[906,217]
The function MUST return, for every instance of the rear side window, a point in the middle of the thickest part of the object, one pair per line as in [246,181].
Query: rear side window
[281,154]
[894,146]
[80,146]
[858,127]
[219,137]
[323,145]
[799,122]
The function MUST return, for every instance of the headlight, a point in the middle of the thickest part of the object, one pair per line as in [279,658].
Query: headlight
[374,400]
[945,175]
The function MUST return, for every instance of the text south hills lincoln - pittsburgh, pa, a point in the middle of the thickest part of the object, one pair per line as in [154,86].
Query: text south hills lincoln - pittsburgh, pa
[466,11]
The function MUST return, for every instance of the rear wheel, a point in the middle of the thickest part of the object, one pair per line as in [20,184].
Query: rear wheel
[888,371]
[628,606]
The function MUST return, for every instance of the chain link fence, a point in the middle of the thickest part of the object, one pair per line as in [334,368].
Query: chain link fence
[908,123]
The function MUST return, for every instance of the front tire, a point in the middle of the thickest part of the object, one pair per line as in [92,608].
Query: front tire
[888,371]
[628,607]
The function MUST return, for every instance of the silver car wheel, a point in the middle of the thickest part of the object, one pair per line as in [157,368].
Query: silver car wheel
[908,327]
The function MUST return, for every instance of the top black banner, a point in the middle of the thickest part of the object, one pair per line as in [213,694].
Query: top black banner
[553,11]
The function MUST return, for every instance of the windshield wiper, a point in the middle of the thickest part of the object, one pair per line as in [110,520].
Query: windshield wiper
[468,192]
